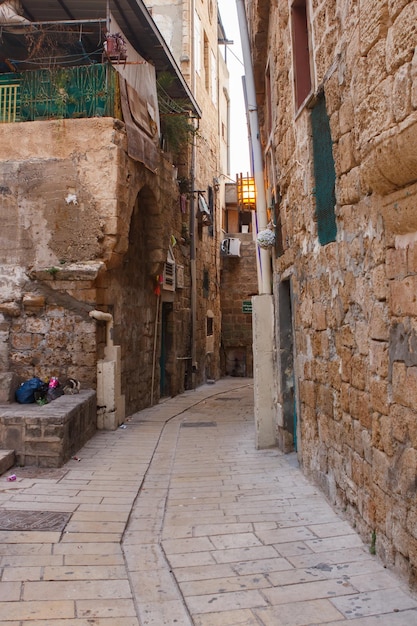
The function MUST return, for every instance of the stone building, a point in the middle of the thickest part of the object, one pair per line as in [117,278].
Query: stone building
[193,30]
[238,285]
[336,87]
[102,207]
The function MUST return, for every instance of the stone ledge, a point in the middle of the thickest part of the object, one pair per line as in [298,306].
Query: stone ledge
[399,211]
[7,460]
[9,382]
[48,435]
[71,271]
[389,162]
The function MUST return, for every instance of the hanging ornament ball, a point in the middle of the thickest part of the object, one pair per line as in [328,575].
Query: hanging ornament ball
[266,238]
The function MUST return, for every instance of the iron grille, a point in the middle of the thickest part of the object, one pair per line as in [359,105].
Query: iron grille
[9,102]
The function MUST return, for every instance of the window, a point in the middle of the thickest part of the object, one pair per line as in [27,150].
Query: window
[210,332]
[197,43]
[210,195]
[210,10]
[206,63]
[268,101]
[206,284]
[210,325]
[301,51]
[213,68]
[324,173]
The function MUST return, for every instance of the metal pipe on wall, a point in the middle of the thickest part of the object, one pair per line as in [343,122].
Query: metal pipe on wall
[193,262]
[264,267]
[155,341]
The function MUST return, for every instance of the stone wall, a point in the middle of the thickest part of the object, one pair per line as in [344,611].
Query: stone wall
[176,21]
[238,285]
[354,311]
[60,231]
[86,227]
[48,435]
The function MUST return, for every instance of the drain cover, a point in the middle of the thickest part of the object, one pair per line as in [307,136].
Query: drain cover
[198,424]
[33,520]
[226,398]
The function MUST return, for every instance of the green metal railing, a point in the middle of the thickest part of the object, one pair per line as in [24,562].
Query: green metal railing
[9,102]
[59,93]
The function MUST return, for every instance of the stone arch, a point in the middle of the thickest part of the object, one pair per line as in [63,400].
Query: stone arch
[147,230]
[131,290]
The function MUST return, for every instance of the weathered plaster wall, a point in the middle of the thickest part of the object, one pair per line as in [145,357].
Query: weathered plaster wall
[60,231]
[84,227]
[53,191]
[355,316]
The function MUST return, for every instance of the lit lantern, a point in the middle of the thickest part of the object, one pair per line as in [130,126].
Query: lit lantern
[246,193]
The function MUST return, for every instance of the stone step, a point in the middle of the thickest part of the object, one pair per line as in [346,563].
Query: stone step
[7,460]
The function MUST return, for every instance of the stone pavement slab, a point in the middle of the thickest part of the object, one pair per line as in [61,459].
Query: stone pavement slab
[177,520]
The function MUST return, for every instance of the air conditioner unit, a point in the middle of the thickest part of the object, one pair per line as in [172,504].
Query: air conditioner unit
[169,276]
[231,246]
[169,272]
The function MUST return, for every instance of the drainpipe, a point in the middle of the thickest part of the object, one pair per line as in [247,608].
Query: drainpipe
[101,316]
[192,39]
[264,267]
[228,133]
[263,318]
[193,267]
[110,401]
[193,270]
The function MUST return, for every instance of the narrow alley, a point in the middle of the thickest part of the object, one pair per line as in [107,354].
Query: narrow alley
[176,519]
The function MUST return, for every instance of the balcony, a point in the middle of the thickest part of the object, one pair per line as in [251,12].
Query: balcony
[59,93]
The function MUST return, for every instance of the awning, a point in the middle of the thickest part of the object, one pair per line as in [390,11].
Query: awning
[137,25]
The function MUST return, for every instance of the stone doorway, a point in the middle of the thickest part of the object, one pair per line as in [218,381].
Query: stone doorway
[287,431]
[167,340]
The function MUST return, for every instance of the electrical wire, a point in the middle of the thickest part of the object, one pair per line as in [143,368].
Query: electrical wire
[64,59]
[236,57]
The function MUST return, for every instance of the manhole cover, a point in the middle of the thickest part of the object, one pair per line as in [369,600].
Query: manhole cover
[198,424]
[33,520]
[236,398]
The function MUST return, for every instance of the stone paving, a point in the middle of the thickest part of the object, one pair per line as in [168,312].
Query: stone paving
[176,519]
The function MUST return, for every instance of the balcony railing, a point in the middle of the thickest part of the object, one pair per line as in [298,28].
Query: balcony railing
[9,102]
[59,93]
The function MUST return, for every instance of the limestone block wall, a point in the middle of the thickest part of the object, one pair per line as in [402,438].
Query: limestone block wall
[208,303]
[47,436]
[85,227]
[238,285]
[130,290]
[354,311]
[61,229]
[176,21]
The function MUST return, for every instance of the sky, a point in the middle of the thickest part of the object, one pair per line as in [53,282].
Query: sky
[239,150]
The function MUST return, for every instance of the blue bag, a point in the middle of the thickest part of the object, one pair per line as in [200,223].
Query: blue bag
[25,394]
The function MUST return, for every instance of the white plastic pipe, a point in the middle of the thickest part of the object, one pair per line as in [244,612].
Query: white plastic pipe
[101,316]
[264,266]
